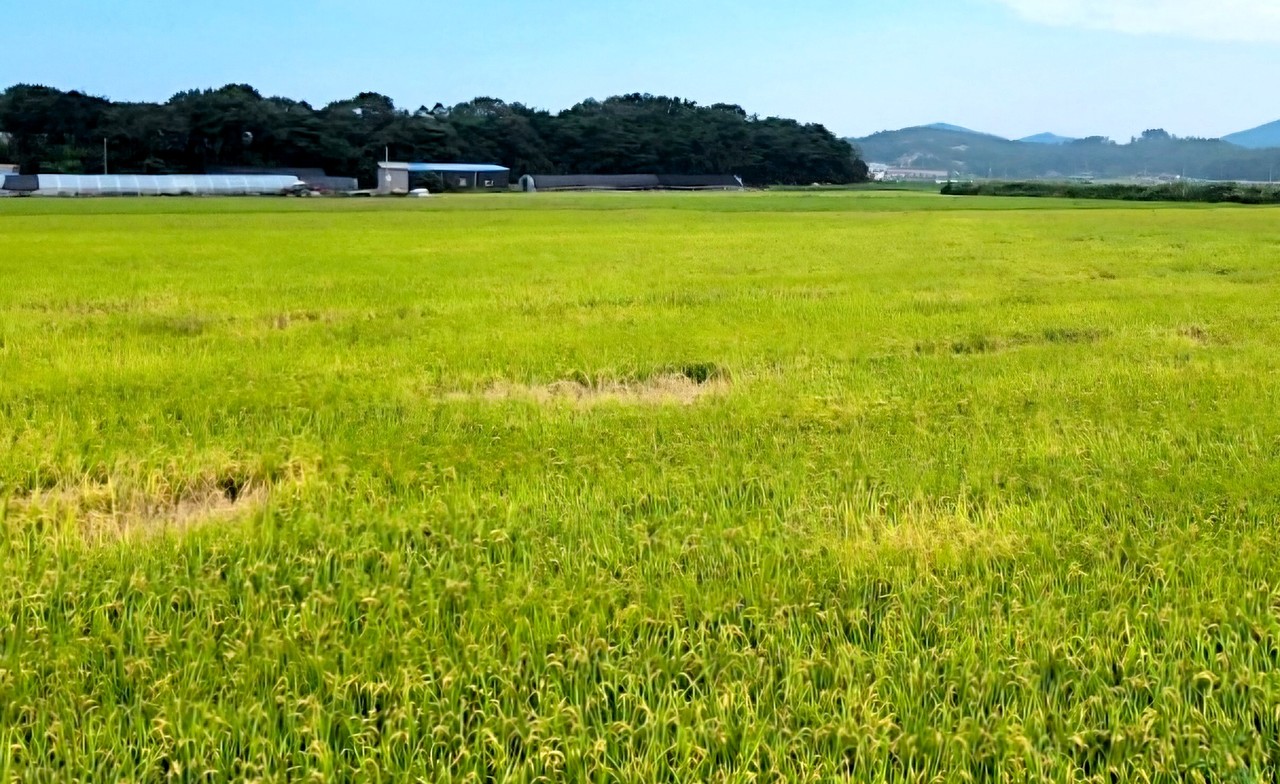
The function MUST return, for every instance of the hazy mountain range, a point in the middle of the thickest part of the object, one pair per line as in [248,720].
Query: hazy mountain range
[1262,137]
[1249,155]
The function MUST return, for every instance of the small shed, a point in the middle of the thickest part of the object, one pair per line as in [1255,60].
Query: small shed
[396,177]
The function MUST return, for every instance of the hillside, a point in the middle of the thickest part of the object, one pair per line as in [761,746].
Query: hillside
[933,147]
[941,147]
[1047,138]
[957,129]
[1262,137]
[981,155]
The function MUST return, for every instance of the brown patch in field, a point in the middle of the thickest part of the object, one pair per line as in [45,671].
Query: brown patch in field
[945,536]
[101,510]
[993,344]
[1072,334]
[973,344]
[1196,334]
[287,319]
[666,389]
[933,303]
[929,535]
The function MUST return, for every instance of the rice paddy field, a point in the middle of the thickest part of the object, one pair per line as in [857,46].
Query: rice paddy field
[731,488]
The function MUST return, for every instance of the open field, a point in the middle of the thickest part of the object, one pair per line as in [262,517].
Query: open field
[747,487]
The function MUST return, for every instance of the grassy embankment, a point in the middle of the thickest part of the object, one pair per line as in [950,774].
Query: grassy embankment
[639,487]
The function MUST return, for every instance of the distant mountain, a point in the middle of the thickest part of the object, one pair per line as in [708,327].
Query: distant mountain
[937,147]
[956,129]
[1047,138]
[1259,138]
[1155,155]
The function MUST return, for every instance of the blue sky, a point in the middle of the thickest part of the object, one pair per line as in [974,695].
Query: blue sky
[1012,67]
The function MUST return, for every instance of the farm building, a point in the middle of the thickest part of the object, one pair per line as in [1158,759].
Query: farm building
[7,170]
[151,185]
[399,177]
[316,179]
[532,183]
[901,174]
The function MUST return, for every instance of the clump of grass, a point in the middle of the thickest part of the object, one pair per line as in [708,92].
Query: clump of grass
[1072,334]
[175,326]
[702,372]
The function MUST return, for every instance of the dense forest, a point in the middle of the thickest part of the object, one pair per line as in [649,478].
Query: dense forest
[49,130]
[1153,154]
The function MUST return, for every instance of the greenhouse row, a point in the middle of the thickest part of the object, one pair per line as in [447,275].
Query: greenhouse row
[152,185]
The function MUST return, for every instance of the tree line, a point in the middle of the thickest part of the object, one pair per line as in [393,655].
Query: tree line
[44,129]
[1157,152]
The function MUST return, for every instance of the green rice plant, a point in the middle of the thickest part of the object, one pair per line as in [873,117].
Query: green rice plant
[862,486]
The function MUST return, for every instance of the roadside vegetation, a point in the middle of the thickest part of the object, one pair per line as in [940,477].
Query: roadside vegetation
[1208,192]
[654,487]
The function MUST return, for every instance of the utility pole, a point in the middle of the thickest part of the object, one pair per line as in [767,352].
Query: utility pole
[104,155]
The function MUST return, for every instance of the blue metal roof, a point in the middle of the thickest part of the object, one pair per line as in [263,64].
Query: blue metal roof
[445,167]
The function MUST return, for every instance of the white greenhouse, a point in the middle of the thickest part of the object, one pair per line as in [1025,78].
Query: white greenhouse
[154,184]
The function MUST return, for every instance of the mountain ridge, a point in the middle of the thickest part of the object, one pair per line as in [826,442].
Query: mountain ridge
[941,126]
[1046,138]
[1262,137]
[1154,155]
